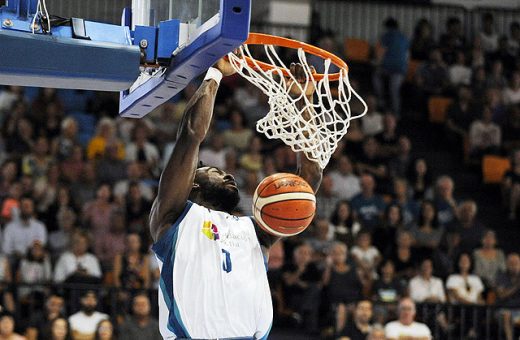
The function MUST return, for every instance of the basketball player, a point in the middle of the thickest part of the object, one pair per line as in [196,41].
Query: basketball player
[213,265]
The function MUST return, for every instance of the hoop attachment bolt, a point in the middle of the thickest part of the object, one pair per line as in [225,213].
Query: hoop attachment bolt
[8,23]
[143,43]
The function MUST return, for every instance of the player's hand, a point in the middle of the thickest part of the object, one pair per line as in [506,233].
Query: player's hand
[224,66]
[298,72]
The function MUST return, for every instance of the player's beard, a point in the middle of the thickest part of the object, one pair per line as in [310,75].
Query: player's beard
[220,196]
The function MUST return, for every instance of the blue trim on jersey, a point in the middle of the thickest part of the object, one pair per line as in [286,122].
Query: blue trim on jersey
[266,335]
[165,250]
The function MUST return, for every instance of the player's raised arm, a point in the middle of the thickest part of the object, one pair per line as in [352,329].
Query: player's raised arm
[176,180]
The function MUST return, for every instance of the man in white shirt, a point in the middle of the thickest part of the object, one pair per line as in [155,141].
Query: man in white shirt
[372,123]
[484,135]
[83,324]
[20,233]
[425,287]
[406,327]
[77,263]
[346,183]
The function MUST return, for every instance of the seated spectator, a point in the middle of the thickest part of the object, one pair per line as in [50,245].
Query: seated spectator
[105,330]
[73,166]
[368,206]
[346,183]
[377,333]
[403,256]
[514,38]
[301,287]
[7,327]
[460,114]
[61,202]
[326,198]
[398,166]
[427,233]
[8,175]
[372,122]
[20,134]
[105,134]
[137,208]
[131,267]
[141,150]
[452,40]
[34,269]
[341,283]
[496,78]
[140,325]
[239,135]
[359,327]
[508,294]
[464,287]
[85,189]
[405,326]
[97,213]
[422,41]
[109,167]
[134,174]
[489,260]
[84,323]
[387,291]
[252,159]
[511,130]
[432,75]
[503,55]
[460,73]
[371,163]
[37,163]
[6,278]
[512,92]
[112,242]
[77,265]
[487,34]
[343,224]
[403,198]
[392,224]
[20,233]
[65,143]
[388,139]
[425,287]
[247,192]
[467,227]
[214,153]
[420,178]
[485,137]
[59,240]
[322,240]
[59,329]
[511,186]
[41,323]
[444,201]
[367,256]
[11,203]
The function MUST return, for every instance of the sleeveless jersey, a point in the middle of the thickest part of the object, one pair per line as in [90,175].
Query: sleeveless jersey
[213,281]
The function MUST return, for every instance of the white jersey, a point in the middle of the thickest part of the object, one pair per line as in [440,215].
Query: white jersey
[213,278]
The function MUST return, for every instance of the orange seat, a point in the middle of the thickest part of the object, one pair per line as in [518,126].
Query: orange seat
[437,107]
[357,50]
[413,65]
[494,168]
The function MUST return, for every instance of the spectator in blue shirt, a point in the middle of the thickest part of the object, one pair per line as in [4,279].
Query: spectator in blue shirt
[368,206]
[392,61]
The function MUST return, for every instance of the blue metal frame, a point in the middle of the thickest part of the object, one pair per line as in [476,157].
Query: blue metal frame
[111,56]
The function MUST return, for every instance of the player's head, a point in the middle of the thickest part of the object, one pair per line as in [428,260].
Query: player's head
[215,189]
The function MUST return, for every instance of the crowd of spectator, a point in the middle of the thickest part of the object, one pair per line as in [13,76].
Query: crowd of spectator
[77,186]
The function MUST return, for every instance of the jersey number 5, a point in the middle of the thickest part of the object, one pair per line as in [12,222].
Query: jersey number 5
[226,263]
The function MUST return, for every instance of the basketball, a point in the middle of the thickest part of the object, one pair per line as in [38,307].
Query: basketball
[284,204]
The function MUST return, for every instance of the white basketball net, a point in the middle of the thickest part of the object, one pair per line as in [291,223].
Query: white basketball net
[330,115]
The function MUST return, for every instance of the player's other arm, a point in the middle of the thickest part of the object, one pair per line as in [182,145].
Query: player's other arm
[176,180]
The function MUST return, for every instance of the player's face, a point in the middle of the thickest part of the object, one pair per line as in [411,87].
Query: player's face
[217,188]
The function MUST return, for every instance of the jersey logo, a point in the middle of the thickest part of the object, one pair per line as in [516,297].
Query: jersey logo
[210,231]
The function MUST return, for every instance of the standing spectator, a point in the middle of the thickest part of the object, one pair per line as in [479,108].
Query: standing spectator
[141,325]
[489,260]
[467,228]
[512,92]
[343,224]
[508,294]
[20,234]
[484,135]
[367,205]
[425,287]
[372,122]
[346,183]
[427,233]
[105,330]
[214,153]
[34,269]
[97,213]
[132,267]
[59,329]
[77,265]
[459,72]
[141,150]
[444,201]
[7,328]
[112,242]
[405,326]
[367,256]
[392,64]
[40,323]
[83,324]
[341,283]
[488,35]
[464,287]
[360,326]
[422,41]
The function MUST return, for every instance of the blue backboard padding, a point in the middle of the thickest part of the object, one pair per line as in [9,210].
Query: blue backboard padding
[208,48]
[148,33]
[168,40]
[52,61]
